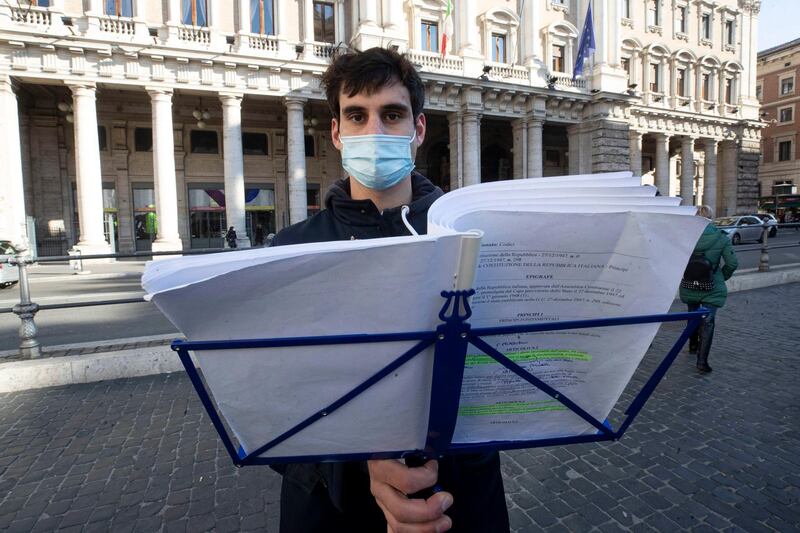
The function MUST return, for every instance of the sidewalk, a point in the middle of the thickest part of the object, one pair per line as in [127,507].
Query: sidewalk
[708,453]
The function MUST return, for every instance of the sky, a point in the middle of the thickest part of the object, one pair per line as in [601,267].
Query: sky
[778,22]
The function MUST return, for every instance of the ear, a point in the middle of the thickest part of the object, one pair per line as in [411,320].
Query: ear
[335,135]
[421,126]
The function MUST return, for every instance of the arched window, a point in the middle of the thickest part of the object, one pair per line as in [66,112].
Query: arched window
[683,62]
[500,35]
[426,25]
[707,73]
[630,61]
[559,42]
[654,70]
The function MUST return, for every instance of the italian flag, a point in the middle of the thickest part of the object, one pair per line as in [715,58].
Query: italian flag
[447,32]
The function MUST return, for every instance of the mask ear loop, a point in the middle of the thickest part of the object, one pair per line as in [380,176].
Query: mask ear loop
[404,215]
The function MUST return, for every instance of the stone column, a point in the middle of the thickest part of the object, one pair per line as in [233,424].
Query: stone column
[12,192]
[687,171]
[519,137]
[636,152]
[296,160]
[234,165]
[165,185]
[574,142]
[662,164]
[244,16]
[531,36]
[710,174]
[88,175]
[472,148]
[394,18]
[455,122]
[535,162]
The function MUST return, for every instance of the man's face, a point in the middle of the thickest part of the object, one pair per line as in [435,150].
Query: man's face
[387,111]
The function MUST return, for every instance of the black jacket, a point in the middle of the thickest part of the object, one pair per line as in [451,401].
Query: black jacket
[345,218]
[335,496]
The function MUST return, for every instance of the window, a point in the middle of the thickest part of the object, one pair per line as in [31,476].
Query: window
[313,198]
[626,66]
[143,140]
[784,187]
[309,142]
[194,12]
[429,35]
[705,87]
[37,3]
[759,92]
[254,143]
[261,17]
[729,91]
[119,8]
[785,114]
[558,58]
[102,140]
[681,81]
[145,221]
[655,77]
[653,14]
[498,48]
[681,22]
[787,86]
[785,151]
[324,29]
[705,26]
[730,33]
[203,142]
[626,9]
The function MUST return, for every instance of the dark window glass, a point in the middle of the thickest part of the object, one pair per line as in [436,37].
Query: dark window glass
[119,8]
[143,139]
[430,36]
[254,143]
[261,17]
[204,142]
[194,12]
[786,115]
[324,31]
[102,141]
[785,151]
[313,198]
[681,82]
[705,23]
[730,35]
[309,146]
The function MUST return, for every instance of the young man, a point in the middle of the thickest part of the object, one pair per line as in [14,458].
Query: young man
[376,99]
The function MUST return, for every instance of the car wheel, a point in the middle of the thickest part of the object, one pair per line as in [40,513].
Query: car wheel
[736,239]
[773,231]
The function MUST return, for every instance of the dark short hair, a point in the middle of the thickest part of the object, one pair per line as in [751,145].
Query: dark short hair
[354,72]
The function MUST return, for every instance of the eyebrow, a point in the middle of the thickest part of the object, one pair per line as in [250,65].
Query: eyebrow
[388,107]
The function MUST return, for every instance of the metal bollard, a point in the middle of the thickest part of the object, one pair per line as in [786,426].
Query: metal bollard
[29,347]
[763,264]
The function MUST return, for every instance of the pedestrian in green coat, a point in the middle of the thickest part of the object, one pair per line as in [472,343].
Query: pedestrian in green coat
[715,245]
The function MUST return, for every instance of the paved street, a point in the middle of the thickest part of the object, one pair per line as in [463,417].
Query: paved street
[709,453]
[52,284]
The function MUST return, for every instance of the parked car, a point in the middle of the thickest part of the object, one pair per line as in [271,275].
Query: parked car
[771,221]
[741,228]
[9,274]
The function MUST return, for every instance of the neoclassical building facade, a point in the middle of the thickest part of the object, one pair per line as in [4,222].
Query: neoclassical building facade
[157,124]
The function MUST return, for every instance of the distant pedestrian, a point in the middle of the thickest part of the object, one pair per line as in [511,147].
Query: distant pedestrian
[259,235]
[230,236]
[712,248]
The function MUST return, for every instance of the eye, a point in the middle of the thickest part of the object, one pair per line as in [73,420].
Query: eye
[355,117]
[393,116]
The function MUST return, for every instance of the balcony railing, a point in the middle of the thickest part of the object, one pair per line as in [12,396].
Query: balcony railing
[434,61]
[37,16]
[195,34]
[322,50]
[267,43]
[117,25]
[565,80]
[510,72]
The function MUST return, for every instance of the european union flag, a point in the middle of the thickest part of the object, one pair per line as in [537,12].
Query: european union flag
[587,45]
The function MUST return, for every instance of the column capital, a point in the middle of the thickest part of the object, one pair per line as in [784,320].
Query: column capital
[83,88]
[635,134]
[231,98]
[535,122]
[294,102]
[160,93]
[686,139]
[662,136]
[709,144]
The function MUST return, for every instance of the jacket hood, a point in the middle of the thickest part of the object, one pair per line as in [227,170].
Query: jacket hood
[710,236]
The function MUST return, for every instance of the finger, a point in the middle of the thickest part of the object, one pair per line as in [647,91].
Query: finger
[411,511]
[443,524]
[406,480]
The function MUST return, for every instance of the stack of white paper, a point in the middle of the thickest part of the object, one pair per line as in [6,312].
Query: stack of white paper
[552,249]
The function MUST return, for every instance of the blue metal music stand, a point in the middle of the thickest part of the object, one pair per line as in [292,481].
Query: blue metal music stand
[451,339]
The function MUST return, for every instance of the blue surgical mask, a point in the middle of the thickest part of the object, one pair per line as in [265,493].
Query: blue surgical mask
[377,161]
